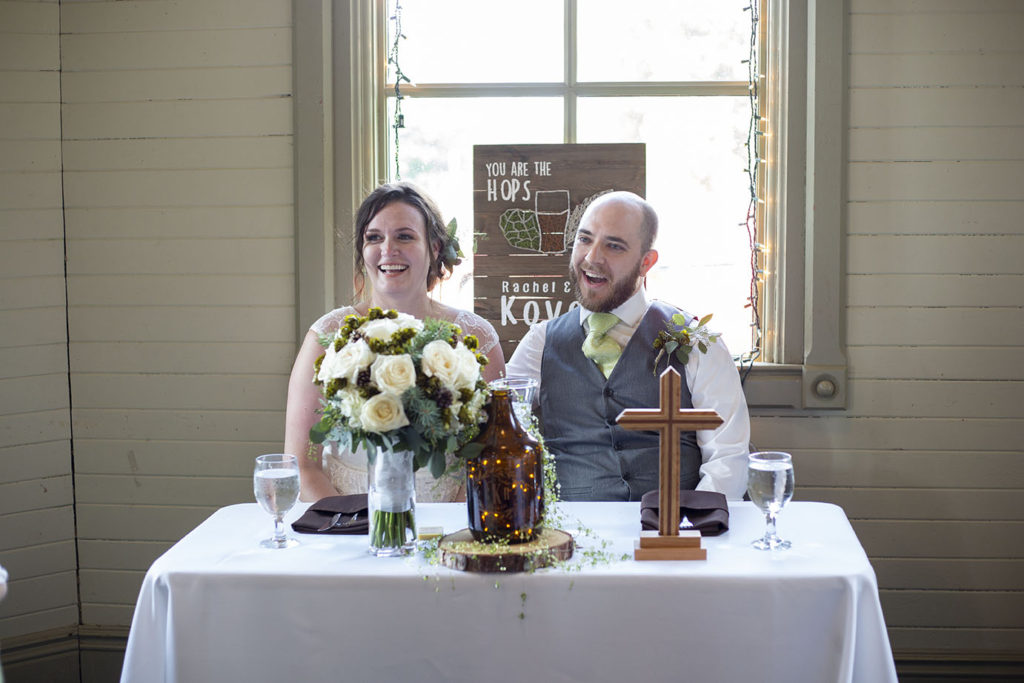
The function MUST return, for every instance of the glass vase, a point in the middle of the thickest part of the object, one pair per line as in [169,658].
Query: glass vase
[505,482]
[391,497]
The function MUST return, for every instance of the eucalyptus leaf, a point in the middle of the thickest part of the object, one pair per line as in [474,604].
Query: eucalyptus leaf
[471,450]
[671,346]
[705,320]
[437,465]
[703,347]
[679,318]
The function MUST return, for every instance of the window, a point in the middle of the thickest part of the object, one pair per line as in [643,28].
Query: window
[341,133]
[670,75]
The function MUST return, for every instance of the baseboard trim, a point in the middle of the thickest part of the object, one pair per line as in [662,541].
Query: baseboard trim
[959,666]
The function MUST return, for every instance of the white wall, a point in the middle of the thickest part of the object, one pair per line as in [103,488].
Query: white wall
[37,527]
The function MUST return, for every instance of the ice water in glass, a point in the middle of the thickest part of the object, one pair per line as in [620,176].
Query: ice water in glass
[275,483]
[770,486]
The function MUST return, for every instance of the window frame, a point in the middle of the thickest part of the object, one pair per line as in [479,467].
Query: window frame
[340,154]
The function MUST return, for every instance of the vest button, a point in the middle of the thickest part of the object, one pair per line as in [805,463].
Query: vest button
[617,445]
[608,392]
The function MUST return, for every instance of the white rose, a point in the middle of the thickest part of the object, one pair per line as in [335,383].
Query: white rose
[441,361]
[408,322]
[383,413]
[393,374]
[469,368]
[381,329]
[346,363]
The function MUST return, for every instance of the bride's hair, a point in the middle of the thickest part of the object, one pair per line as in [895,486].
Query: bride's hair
[437,236]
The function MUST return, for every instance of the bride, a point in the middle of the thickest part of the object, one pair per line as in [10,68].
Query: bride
[401,251]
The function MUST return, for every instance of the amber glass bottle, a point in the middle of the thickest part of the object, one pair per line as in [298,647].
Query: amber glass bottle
[505,483]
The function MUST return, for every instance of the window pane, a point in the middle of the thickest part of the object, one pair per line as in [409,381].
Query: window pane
[695,180]
[655,40]
[480,41]
[436,152]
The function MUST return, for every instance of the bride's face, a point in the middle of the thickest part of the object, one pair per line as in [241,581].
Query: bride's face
[396,251]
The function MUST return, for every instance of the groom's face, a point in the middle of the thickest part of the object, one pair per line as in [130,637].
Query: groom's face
[608,262]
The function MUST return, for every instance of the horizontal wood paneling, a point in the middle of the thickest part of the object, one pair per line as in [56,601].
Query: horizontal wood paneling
[183,154]
[953,609]
[40,560]
[937,362]
[36,496]
[989,180]
[965,326]
[192,357]
[163,490]
[880,433]
[979,642]
[254,391]
[177,155]
[189,119]
[957,30]
[230,187]
[180,289]
[954,504]
[947,574]
[153,457]
[22,462]
[927,289]
[935,218]
[182,222]
[182,424]
[229,83]
[996,68]
[968,468]
[954,106]
[139,522]
[941,539]
[137,555]
[195,323]
[169,15]
[176,49]
[936,398]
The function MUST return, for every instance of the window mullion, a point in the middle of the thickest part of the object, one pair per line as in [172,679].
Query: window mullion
[569,97]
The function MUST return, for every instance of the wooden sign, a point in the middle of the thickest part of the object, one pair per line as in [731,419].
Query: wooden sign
[527,204]
[669,420]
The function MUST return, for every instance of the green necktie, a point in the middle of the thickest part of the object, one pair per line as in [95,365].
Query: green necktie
[598,346]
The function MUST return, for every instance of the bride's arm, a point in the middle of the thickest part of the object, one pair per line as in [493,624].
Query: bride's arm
[300,416]
[491,348]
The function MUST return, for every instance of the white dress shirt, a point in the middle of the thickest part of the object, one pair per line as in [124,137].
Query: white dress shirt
[713,382]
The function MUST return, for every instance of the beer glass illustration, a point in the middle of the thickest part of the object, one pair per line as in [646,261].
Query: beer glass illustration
[552,208]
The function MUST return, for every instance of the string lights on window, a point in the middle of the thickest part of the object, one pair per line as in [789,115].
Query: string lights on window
[755,207]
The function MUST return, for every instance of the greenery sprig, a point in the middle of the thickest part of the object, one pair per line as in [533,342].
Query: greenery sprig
[680,339]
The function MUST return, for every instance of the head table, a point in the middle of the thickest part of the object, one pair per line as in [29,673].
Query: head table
[217,607]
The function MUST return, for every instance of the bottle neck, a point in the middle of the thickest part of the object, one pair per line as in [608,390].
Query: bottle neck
[502,413]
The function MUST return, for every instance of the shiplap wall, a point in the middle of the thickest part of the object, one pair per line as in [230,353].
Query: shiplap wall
[177,154]
[37,528]
[928,459]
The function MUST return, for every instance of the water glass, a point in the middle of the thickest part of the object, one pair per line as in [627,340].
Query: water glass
[275,482]
[770,486]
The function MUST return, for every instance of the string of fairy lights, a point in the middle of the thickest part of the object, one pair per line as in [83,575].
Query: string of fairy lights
[754,161]
[398,121]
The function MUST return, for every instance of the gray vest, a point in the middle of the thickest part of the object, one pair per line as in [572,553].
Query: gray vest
[595,458]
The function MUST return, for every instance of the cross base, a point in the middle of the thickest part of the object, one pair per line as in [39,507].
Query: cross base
[685,546]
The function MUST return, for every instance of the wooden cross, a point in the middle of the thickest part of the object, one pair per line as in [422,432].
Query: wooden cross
[669,420]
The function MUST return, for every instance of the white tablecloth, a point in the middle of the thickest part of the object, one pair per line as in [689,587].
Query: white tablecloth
[216,607]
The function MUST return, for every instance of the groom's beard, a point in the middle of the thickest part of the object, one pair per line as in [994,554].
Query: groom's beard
[619,293]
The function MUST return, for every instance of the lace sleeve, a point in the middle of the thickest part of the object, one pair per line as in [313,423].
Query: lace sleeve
[473,324]
[330,322]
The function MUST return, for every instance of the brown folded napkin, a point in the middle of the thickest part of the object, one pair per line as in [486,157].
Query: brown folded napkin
[707,511]
[335,515]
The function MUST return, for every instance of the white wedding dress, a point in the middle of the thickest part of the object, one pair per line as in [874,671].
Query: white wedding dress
[347,471]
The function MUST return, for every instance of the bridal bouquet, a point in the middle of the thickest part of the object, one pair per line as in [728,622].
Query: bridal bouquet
[408,392]
[392,382]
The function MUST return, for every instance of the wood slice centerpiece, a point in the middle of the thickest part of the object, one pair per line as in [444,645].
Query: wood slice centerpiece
[460,551]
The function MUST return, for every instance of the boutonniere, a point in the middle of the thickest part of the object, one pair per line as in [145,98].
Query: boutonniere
[680,338]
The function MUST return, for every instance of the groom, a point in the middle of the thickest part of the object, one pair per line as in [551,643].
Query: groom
[597,360]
